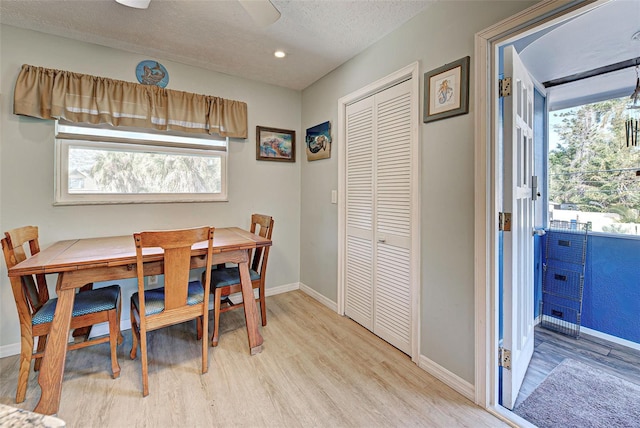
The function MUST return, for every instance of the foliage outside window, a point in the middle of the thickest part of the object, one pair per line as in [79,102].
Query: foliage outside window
[97,165]
[593,175]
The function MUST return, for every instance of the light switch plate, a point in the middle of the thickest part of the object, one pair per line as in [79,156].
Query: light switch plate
[334,196]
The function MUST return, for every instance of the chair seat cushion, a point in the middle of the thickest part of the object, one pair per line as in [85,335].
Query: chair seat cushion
[229,276]
[85,302]
[154,299]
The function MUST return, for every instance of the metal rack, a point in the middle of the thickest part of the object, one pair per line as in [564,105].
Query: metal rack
[563,277]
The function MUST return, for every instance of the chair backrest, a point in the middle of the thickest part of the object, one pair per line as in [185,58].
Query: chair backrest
[177,261]
[261,225]
[26,290]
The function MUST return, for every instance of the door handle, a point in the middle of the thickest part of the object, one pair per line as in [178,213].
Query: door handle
[382,241]
[539,232]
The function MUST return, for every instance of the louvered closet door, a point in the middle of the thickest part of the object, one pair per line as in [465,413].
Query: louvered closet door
[378,247]
[392,301]
[359,198]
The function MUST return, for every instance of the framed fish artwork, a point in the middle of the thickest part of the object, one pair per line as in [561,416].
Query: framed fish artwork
[150,72]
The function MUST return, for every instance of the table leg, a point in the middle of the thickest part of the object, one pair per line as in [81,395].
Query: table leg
[250,309]
[52,368]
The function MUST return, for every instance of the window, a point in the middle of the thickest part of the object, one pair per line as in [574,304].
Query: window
[98,165]
[594,176]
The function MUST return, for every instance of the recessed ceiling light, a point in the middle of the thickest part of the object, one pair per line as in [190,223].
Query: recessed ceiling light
[279,54]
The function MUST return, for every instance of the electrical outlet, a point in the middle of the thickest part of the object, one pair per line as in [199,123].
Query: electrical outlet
[153,280]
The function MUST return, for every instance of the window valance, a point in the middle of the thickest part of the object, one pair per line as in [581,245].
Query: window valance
[55,94]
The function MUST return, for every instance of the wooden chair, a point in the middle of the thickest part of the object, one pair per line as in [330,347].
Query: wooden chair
[179,300]
[226,280]
[36,309]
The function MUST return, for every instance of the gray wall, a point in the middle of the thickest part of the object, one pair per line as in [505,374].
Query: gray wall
[298,195]
[27,163]
[443,33]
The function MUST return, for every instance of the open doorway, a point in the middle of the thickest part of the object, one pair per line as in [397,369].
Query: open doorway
[539,23]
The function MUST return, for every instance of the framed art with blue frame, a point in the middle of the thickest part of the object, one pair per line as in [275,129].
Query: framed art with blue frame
[446,91]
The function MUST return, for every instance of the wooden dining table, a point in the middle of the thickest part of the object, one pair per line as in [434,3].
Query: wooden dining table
[81,261]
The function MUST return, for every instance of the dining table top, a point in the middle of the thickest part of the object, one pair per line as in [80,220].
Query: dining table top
[110,251]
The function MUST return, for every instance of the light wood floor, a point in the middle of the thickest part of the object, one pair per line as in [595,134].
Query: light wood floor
[552,348]
[317,369]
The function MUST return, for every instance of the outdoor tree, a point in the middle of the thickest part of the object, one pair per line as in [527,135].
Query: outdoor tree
[592,167]
[142,172]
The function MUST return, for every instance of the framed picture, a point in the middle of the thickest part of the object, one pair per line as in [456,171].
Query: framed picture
[446,91]
[318,142]
[275,144]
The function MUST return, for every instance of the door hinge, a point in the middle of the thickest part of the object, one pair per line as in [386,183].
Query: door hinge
[504,87]
[504,222]
[504,358]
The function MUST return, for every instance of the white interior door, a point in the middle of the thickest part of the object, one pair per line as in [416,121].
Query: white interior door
[392,315]
[379,180]
[518,262]
[359,213]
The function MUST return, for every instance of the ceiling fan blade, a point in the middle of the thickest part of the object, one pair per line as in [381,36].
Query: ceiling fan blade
[138,4]
[261,11]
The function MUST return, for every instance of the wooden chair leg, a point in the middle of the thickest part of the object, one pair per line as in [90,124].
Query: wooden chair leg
[42,344]
[145,367]
[26,352]
[263,304]
[199,328]
[114,333]
[135,332]
[216,316]
[205,345]
[118,316]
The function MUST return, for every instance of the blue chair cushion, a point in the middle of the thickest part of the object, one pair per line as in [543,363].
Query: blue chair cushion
[229,276]
[154,299]
[86,302]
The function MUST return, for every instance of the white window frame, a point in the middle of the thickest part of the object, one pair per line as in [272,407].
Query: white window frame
[72,135]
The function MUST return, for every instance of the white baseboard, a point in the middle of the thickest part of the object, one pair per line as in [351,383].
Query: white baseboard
[272,291]
[97,330]
[9,350]
[457,383]
[599,335]
[319,297]
[608,337]
[102,329]
[269,291]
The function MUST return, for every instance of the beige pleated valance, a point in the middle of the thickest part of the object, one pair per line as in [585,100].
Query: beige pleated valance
[54,94]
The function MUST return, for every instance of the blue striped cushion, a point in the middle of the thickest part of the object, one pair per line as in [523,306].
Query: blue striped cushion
[229,276]
[86,302]
[154,299]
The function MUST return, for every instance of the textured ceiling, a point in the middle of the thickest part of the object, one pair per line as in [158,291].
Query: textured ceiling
[317,35]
